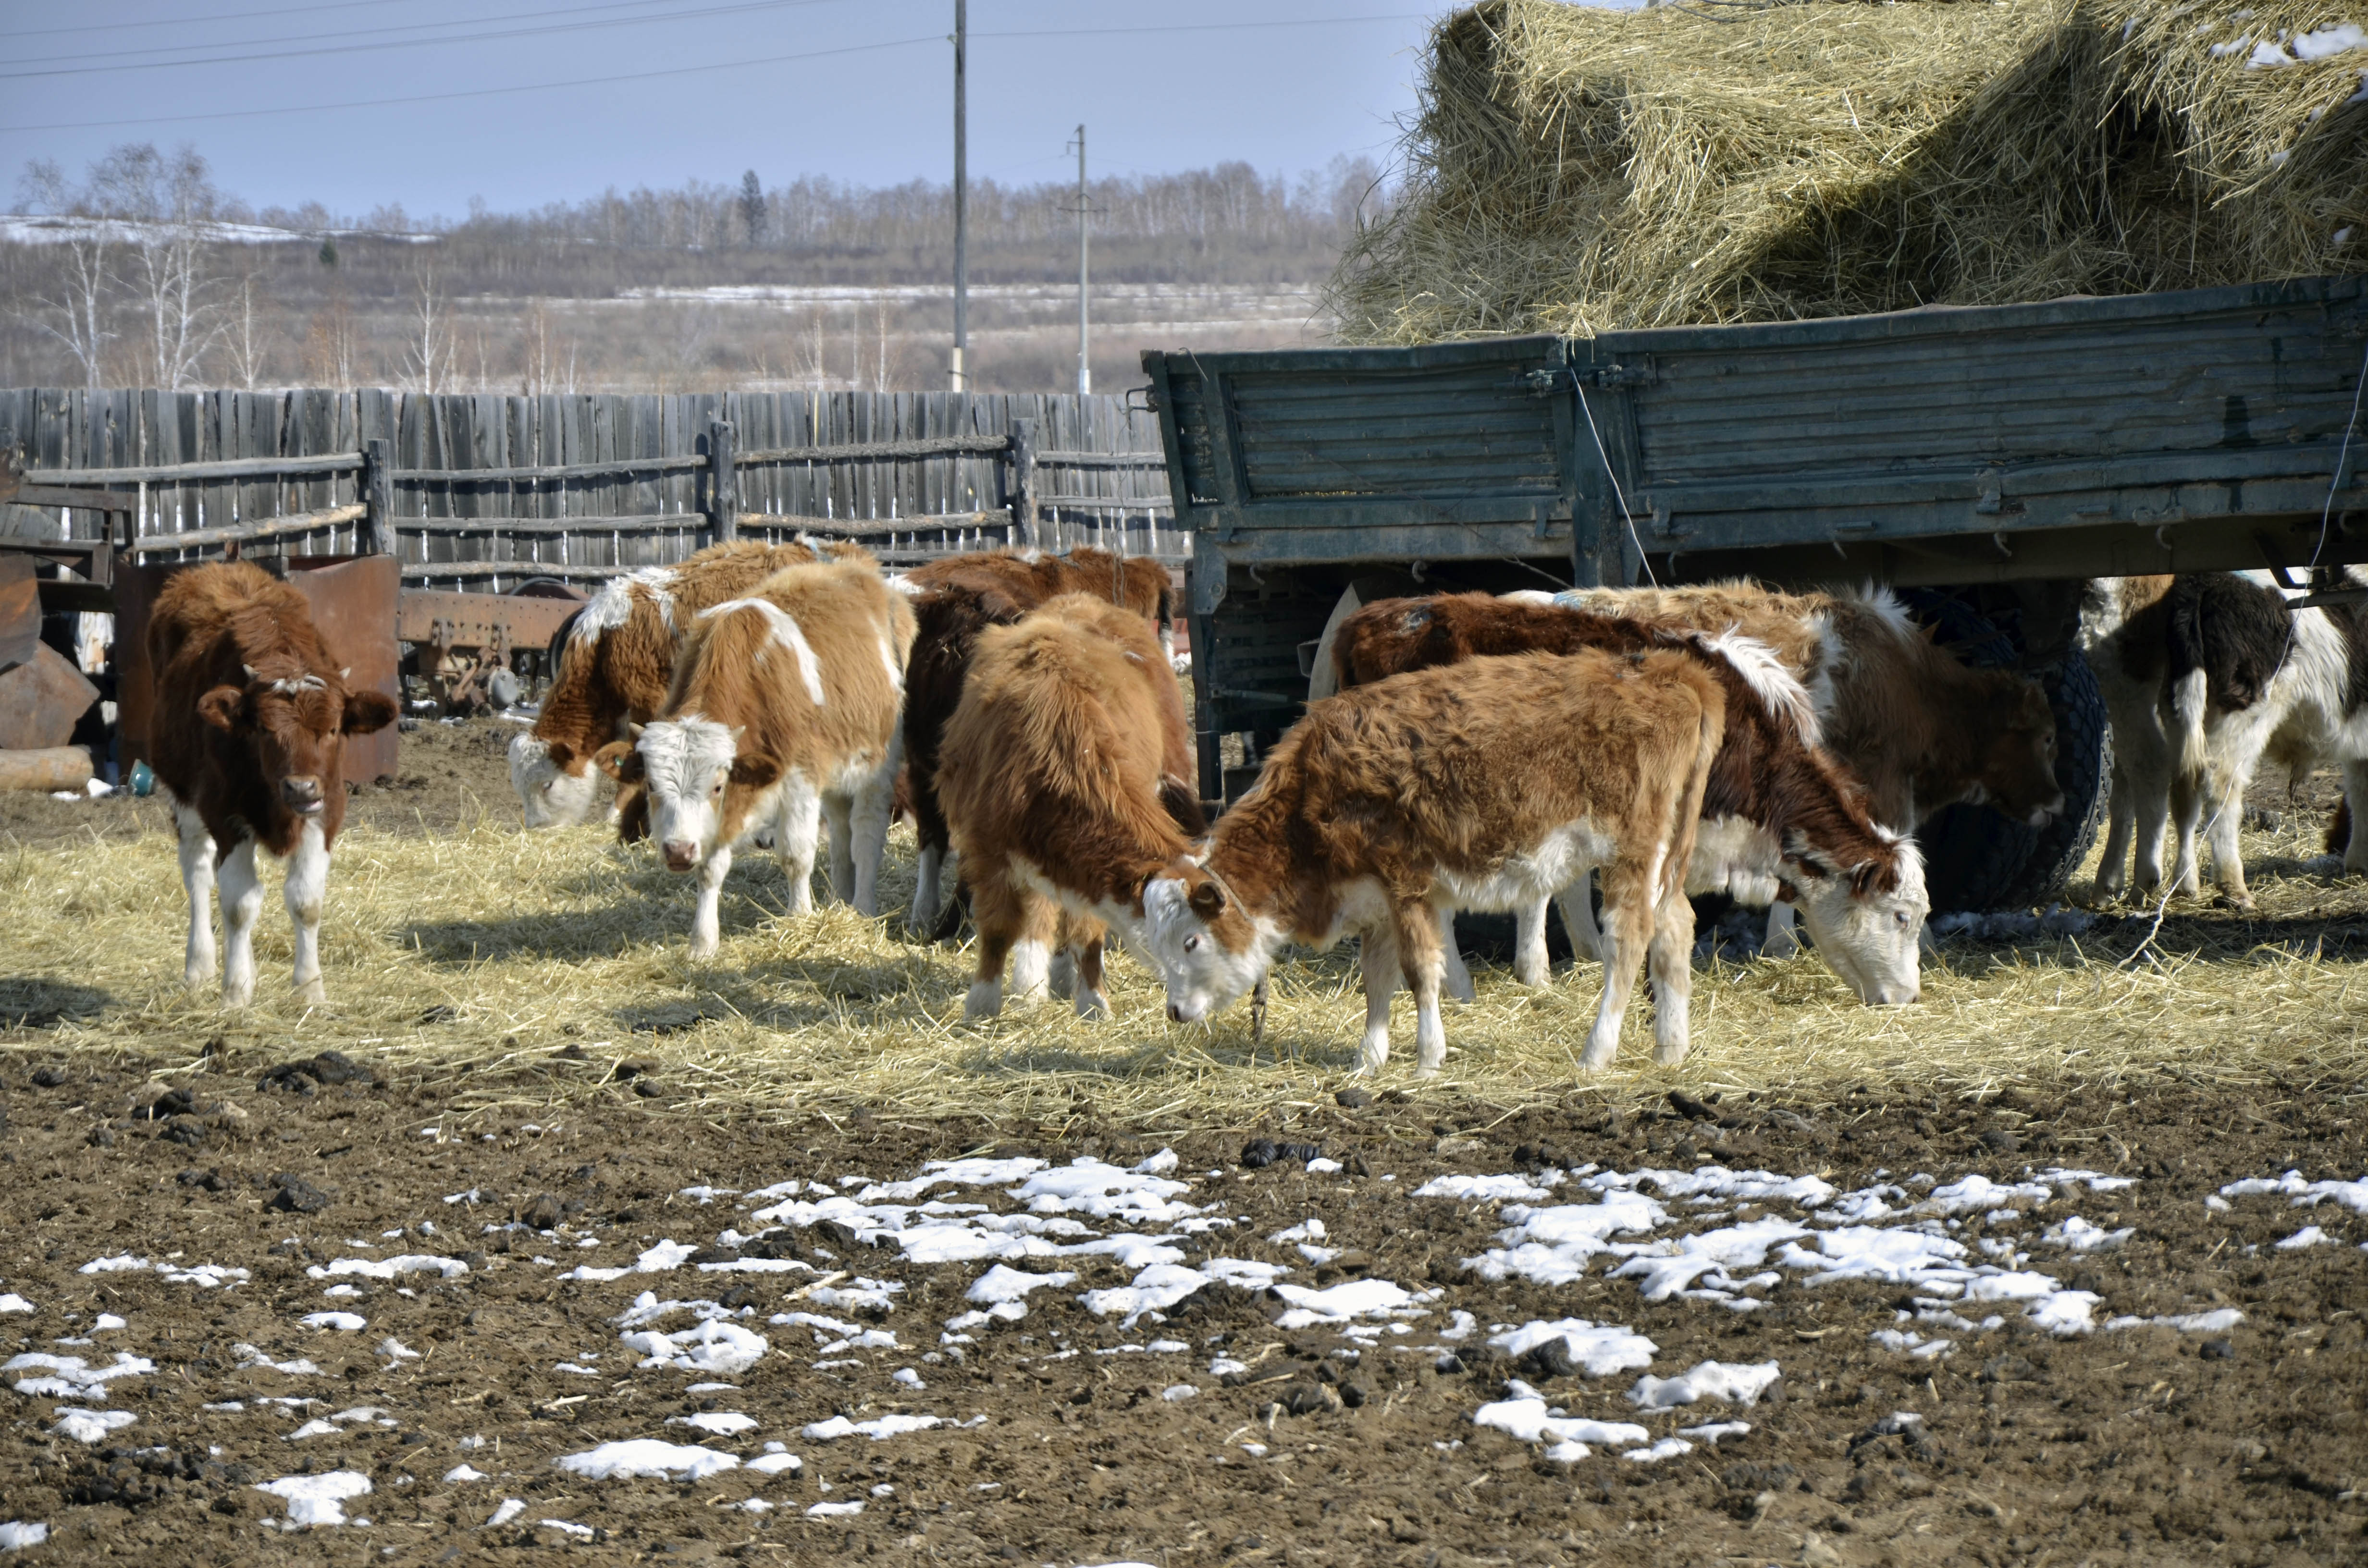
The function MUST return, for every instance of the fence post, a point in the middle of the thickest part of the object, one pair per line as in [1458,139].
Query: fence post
[723,483]
[377,498]
[1023,482]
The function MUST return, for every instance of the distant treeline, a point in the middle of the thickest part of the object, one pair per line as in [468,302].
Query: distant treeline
[163,298]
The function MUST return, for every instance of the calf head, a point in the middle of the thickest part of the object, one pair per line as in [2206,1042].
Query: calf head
[1865,919]
[553,781]
[296,723]
[2018,758]
[699,784]
[1208,948]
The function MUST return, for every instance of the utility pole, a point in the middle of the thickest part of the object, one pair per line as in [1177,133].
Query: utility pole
[1084,361]
[960,376]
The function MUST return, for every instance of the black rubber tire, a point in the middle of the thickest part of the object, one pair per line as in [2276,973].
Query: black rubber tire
[1976,859]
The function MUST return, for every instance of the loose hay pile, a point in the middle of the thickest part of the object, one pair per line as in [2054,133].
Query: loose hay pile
[527,971]
[1578,170]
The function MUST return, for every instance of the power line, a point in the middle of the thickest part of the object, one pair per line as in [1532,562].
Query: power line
[223,16]
[414,43]
[645,75]
[345,33]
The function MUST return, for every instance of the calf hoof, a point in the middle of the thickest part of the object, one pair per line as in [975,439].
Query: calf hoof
[313,994]
[1669,1055]
[984,1000]
[1591,1063]
[238,997]
[1092,1004]
[1535,979]
[2240,901]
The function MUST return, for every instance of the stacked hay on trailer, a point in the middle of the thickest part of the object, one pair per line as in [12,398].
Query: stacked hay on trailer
[1574,169]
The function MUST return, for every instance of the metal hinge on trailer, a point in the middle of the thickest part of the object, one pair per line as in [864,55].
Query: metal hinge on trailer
[1604,378]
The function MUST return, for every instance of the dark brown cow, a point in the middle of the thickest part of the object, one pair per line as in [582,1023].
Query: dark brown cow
[249,731]
[954,600]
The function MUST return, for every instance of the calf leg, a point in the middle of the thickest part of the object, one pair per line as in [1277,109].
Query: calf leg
[797,835]
[868,816]
[1530,966]
[2187,813]
[198,881]
[1630,901]
[2150,815]
[307,886]
[1576,902]
[1086,943]
[706,920]
[2227,798]
[241,904]
[1781,940]
[1032,952]
[2355,795]
[1377,958]
[1422,956]
[838,811]
[1671,959]
[995,908]
[2120,816]
[1458,979]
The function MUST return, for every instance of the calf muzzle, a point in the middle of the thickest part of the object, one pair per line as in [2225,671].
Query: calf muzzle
[680,856]
[301,795]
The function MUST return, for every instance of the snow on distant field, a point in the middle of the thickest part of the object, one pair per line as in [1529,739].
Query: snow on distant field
[37,229]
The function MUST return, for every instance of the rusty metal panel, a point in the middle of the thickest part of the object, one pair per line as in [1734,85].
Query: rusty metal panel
[21,610]
[42,700]
[471,620]
[353,602]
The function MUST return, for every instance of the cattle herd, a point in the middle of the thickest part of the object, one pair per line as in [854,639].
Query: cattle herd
[1479,753]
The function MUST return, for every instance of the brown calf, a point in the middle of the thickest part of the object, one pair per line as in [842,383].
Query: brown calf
[613,671]
[250,723]
[957,598]
[783,709]
[1052,774]
[1493,783]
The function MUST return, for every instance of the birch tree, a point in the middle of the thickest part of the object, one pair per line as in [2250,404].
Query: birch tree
[76,314]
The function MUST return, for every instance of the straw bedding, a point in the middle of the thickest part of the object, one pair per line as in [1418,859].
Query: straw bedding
[475,959]
[1577,170]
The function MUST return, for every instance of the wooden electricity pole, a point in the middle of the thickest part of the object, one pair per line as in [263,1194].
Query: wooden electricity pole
[1084,361]
[960,374]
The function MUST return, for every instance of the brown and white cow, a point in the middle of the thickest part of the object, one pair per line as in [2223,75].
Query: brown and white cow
[1053,775]
[1493,783]
[959,596]
[1917,727]
[2205,677]
[783,710]
[613,669]
[248,737]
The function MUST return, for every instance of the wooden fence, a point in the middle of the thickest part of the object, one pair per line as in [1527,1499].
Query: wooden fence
[483,492]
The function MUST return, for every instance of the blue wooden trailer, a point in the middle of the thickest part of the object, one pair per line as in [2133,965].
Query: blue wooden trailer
[1986,462]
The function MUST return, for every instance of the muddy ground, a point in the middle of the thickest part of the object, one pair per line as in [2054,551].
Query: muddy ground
[2236,1442]
[2145,1444]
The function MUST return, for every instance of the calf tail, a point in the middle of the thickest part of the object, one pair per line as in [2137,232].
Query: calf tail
[2189,701]
[2339,829]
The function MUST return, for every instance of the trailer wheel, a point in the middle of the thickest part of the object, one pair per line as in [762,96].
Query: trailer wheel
[1973,857]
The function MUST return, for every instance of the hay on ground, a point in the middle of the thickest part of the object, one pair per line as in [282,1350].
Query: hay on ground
[1578,170]
[516,973]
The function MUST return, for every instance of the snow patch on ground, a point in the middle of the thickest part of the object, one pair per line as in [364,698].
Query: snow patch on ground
[647,1456]
[318,1499]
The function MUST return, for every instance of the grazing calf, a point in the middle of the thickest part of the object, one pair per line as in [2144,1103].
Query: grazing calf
[1492,784]
[2206,674]
[782,710]
[249,731]
[1053,773]
[613,668]
[959,596]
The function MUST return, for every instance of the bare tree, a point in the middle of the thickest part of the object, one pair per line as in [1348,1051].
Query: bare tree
[537,381]
[168,200]
[332,345]
[246,335]
[75,316]
[430,351]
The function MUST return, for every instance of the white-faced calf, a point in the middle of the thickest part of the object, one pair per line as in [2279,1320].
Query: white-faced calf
[783,710]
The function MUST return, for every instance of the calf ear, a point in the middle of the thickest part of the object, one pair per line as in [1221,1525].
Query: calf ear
[1207,899]
[561,754]
[223,707]
[755,770]
[368,712]
[619,761]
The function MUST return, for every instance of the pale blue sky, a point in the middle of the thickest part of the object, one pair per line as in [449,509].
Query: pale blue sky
[1159,88]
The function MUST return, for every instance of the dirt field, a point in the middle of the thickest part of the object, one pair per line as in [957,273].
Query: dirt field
[531,1081]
